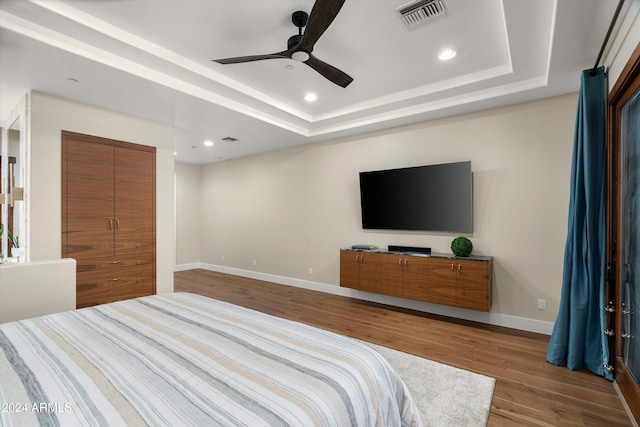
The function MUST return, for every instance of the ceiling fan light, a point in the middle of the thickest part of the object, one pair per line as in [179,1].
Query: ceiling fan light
[310,97]
[300,56]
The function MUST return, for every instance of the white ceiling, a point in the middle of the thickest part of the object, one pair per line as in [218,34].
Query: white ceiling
[152,58]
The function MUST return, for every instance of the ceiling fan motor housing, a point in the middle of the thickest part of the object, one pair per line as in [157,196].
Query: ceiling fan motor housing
[299,18]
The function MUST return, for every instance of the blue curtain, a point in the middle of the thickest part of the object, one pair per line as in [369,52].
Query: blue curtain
[578,340]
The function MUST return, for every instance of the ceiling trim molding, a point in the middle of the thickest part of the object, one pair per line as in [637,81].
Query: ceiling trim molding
[427,107]
[92,23]
[85,50]
[344,119]
[554,16]
[468,79]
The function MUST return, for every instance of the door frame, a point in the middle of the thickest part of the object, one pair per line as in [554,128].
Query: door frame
[627,84]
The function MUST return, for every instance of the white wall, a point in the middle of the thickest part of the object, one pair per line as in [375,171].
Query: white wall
[187,213]
[49,116]
[292,210]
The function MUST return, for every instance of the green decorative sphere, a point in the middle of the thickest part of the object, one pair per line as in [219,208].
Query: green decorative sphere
[461,246]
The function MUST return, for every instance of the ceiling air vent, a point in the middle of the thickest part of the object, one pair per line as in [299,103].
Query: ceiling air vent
[420,12]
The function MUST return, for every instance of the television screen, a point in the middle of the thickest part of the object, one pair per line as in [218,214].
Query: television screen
[433,198]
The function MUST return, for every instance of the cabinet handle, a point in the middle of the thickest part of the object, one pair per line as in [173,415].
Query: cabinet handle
[452,266]
[113,280]
[459,267]
[406,263]
[110,223]
[117,223]
[361,259]
[114,262]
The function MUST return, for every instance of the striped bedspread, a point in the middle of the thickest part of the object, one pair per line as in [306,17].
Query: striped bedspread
[186,360]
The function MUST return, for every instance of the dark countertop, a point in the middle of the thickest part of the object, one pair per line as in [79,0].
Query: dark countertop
[431,255]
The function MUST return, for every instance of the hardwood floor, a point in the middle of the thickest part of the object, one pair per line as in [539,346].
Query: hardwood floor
[529,391]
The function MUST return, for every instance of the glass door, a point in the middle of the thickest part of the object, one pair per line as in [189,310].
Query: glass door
[624,228]
[629,220]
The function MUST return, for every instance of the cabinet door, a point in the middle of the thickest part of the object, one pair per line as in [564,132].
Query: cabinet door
[416,278]
[369,271]
[87,199]
[134,201]
[349,269]
[474,285]
[442,281]
[391,274]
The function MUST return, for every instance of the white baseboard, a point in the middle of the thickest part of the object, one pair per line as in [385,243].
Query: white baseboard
[185,267]
[497,319]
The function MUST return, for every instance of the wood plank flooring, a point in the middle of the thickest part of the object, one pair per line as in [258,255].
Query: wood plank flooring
[529,391]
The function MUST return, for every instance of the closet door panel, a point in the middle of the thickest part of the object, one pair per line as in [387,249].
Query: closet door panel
[88,199]
[135,202]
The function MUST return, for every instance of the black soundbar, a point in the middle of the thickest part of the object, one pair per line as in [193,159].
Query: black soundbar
[420,250]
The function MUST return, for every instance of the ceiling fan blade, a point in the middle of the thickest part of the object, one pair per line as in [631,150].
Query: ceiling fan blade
[328,71]
[322,15]
[240,59]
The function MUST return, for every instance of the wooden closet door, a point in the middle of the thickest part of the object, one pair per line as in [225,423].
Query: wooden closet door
[135,203]
[87,204]
[108,217]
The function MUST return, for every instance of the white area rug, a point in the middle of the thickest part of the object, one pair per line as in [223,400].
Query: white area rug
[445,396]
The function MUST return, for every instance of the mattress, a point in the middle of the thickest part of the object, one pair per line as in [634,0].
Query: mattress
[185,359]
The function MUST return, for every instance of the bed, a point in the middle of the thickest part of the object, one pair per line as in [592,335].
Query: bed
[185,359]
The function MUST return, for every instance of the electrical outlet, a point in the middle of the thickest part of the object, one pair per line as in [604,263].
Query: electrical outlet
[542,304]
[255,263]
[310,270]
[221,257]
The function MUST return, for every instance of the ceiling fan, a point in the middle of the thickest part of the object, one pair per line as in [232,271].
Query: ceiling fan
[300,46]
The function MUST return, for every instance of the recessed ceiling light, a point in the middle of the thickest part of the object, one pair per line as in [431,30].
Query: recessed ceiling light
[175,153]
[289,67]
[447,54]
[208,143]
[310,97]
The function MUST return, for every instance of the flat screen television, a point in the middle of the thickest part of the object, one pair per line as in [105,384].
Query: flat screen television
[429,198]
